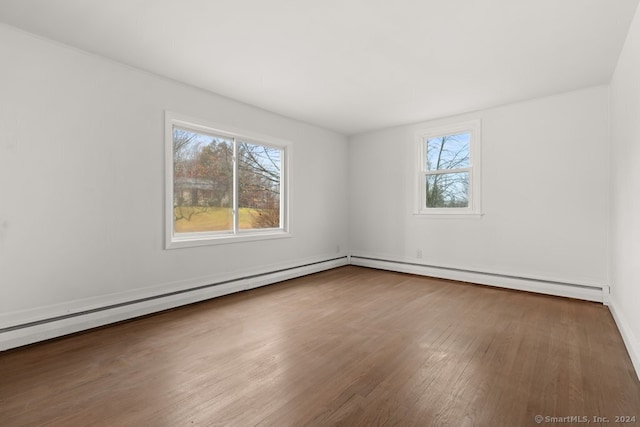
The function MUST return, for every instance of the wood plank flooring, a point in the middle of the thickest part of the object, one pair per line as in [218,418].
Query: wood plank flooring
[350,346]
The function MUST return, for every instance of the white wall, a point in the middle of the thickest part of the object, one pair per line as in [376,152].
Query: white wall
[545,194]
[82,183]
[625,192]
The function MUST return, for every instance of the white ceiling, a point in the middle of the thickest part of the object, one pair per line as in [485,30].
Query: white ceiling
[349,65]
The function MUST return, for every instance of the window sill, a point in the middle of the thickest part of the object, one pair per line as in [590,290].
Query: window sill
[213,240]
[450,215]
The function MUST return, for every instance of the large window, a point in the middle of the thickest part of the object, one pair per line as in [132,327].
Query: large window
[223,185]
[448,180]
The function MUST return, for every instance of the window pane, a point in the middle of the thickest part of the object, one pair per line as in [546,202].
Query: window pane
[448,151]
[258,186]
[202,182]
[448,190]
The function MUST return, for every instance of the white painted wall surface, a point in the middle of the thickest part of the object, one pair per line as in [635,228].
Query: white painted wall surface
[82,183]
[625,192]
[545,194]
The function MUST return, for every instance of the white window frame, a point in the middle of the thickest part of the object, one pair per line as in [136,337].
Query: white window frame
[181,240]
[474,209]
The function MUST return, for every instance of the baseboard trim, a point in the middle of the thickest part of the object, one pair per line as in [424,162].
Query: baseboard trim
[41,329]
[629,338]
[562,289]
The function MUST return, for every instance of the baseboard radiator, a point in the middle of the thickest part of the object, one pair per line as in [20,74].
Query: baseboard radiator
[16,334]
[548,287]
[40,328]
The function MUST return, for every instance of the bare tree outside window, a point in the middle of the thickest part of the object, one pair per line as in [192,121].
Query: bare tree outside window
[447,171]
[259,184]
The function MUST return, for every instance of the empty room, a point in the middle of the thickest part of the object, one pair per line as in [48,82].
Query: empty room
[289,213]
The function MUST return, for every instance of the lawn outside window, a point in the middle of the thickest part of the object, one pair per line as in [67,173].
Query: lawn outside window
[448,179]
[223,185]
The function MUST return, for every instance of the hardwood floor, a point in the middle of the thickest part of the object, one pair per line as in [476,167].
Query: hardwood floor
[350,346]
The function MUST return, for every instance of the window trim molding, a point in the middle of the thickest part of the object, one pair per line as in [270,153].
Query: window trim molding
[474,210]
[172,119]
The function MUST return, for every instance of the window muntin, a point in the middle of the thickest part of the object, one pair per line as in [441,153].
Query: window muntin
[449,170]
[223,186]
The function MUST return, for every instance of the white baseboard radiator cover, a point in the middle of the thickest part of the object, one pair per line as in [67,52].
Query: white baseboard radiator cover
[548,287]
[19,329]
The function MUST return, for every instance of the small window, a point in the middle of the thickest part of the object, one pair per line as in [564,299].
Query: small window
[449,170]
[223,185]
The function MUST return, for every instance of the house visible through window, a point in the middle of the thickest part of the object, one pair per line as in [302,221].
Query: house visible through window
[223,185]
[448,176]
